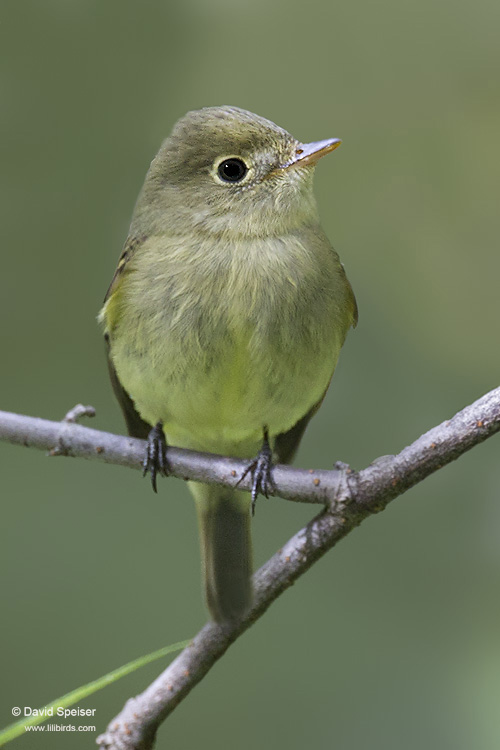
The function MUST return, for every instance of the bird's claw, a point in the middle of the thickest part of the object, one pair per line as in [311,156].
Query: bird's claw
[155,461]
[261,471]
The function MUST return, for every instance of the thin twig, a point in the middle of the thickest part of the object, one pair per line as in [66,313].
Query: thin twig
[434,449]
[66,438]
[350,497]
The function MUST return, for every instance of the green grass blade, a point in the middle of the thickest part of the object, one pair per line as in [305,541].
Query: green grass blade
[18,728]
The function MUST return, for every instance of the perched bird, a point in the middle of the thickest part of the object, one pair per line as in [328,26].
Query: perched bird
[225,317]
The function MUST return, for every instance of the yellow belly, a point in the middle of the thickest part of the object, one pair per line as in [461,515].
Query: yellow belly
[218,351]
[223,406]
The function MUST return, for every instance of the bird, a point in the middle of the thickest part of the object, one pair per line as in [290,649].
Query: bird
[225,317]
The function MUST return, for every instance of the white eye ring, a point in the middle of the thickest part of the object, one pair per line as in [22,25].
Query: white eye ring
[231,169]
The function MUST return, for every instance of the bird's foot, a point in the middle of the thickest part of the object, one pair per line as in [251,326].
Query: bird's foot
[261,470]
[155,461]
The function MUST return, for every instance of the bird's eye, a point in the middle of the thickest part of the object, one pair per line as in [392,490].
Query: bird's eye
[232,170]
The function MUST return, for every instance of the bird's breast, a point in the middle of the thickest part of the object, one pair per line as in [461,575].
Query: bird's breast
[222,340]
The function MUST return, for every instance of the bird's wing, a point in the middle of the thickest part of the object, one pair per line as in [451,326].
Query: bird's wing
[129,249]
[136,426]
[286,444]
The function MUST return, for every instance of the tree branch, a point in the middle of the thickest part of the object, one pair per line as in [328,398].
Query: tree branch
[66,438]
[396,474]
[350,498]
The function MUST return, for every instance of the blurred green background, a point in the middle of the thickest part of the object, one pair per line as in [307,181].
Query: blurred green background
[393,640]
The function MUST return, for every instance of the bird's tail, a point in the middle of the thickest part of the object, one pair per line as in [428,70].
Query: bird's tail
[226,550]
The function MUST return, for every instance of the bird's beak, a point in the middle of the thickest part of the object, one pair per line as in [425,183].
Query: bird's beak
[309,153]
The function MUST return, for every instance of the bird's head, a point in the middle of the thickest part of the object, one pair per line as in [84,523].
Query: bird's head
[226,170]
